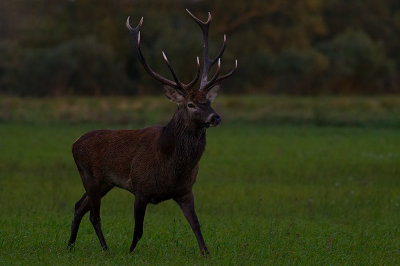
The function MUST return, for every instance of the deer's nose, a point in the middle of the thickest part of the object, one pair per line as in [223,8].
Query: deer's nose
[215,120]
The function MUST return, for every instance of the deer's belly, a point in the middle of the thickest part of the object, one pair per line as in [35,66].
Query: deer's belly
[159,186]
[120,181]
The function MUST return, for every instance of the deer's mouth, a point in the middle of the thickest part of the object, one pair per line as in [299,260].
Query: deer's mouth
[212,124]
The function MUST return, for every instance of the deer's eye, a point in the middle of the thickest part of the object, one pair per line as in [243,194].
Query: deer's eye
[191,105]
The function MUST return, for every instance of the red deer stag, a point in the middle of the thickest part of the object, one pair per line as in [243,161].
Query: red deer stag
[156,163]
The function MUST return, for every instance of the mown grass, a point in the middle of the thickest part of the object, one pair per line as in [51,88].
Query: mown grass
[267,193]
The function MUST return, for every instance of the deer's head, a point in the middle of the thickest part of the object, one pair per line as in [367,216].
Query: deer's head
[194,103]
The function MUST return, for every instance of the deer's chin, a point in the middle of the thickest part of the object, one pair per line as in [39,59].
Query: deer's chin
[208,124]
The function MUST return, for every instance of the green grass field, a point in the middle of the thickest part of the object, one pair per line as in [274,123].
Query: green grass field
[271,190]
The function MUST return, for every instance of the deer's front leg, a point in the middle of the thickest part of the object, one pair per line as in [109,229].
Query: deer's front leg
[140,210]
[187,206]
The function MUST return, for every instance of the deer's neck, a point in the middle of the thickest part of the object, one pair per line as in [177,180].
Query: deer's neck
[183,140]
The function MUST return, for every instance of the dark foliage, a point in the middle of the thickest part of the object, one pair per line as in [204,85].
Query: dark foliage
[291,47]
[76,67]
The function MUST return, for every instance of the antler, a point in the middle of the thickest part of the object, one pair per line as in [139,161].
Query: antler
[209,62]
[176,84]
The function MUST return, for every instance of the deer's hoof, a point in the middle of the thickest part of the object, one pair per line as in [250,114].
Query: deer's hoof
[71,246]
[205,252]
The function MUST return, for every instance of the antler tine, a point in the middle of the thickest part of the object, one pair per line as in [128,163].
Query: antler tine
[221,52]
[196,78]
[128,25]
[171,69]
[214,78]
[201,23]
[227,75]
[182,85]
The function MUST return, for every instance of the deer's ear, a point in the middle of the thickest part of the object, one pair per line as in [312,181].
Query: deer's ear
[173,95]
[213,93]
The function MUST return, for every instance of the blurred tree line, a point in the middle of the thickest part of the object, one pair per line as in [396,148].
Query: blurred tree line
[66,47]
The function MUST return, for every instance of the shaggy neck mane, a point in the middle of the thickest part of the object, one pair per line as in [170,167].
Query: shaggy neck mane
[183,140]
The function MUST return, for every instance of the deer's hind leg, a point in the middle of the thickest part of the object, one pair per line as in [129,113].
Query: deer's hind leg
[81,208]
[95,192]
[90,200]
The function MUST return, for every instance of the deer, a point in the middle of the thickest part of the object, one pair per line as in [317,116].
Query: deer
[156,163]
